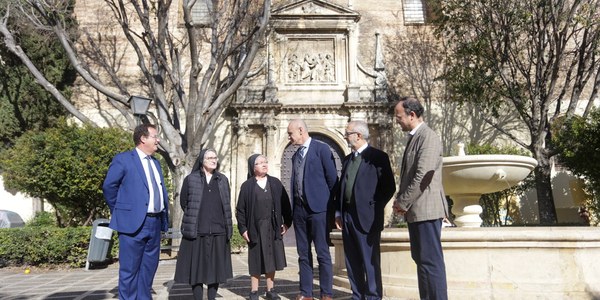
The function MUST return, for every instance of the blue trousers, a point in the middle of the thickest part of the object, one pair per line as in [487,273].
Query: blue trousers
[138,260]
[312,227]
[363,260]
[426,251]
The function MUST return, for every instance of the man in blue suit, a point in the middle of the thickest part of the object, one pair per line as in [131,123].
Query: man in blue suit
[136,194]
[365,187]
[313,178]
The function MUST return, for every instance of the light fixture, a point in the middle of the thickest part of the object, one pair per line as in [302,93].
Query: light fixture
[139,105]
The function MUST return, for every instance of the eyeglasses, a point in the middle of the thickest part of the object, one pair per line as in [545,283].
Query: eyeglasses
[211,158]
[349,133]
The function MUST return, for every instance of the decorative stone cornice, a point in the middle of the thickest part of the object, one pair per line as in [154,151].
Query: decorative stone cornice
[369,106]
[260,106]
[311,109]
[344,109]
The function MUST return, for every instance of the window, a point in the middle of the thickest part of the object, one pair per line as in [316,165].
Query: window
[414,12]
[200,13]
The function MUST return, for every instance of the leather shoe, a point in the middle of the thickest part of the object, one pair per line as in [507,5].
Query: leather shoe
[326,298]
[272,295]
[300,297]
[253,295]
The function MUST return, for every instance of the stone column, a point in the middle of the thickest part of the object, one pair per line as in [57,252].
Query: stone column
[238,162]
[353,86]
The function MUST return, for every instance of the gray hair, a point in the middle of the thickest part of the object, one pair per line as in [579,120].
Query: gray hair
[361,127]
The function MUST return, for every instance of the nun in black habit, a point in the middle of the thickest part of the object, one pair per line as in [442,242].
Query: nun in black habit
[204,256]
[263,215]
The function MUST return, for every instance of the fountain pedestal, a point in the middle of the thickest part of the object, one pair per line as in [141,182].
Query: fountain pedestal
[466,210]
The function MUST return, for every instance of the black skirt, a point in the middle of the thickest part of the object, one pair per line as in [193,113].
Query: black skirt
[267,255]
[206,260]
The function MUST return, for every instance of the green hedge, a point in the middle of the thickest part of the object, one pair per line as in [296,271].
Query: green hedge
[237,243]
[48,245]
[51,245]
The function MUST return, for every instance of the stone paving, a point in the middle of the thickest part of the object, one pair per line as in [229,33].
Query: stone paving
[101,283]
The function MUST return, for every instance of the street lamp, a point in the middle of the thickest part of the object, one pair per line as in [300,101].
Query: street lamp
[139,105]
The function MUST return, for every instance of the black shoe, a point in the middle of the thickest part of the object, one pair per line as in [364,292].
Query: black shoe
[272,295]
[253,295]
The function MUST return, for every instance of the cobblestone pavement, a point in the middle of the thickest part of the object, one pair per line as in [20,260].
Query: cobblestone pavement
[101,283]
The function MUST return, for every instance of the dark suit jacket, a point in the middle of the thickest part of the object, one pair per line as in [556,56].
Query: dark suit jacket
[320,176]
[127,194]
[373,188]
[421,192]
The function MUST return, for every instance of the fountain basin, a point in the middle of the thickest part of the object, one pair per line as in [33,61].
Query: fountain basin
[495,263]
[484,174]
[467,177]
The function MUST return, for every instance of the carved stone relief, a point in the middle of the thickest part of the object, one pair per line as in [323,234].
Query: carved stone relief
[310,61]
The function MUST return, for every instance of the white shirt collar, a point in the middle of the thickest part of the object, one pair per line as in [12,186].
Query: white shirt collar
[307,143]
[141,153]
[361,149]
[412,132]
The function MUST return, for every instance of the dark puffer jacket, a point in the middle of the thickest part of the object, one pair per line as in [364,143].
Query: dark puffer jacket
[191,201]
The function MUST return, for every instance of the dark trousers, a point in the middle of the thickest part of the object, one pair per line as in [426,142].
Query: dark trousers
[363,260]
[138,260]
[312,227]
[426,251]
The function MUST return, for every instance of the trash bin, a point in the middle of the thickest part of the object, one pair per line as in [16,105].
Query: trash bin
[100,242]
[10,219]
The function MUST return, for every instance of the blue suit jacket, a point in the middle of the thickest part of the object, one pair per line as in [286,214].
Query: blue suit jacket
[373,188]
[127,194]
[320,176]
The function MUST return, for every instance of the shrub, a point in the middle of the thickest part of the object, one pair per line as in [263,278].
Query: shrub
[46,246]
[42,218]
[237,241]
[577,141]
[65,165]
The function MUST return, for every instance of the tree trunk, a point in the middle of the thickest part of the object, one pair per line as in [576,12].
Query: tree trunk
[543,183]
[176,213]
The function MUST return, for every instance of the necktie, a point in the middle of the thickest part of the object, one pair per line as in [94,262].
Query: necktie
[351,173]
[297,172]
[155,189]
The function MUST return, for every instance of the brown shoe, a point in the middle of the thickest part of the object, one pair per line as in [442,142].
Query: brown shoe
[326,298]
[300,297]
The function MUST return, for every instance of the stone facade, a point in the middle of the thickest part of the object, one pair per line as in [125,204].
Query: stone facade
[311,71]
[324,62]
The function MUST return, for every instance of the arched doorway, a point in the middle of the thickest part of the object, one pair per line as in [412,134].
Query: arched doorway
[286,171]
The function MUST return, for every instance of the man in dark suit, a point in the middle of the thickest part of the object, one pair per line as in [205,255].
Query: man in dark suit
[313,178]
[136,194]
[421,198]
[365,187]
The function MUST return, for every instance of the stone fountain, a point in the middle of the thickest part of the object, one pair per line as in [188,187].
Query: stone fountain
[467,177]
[492,262]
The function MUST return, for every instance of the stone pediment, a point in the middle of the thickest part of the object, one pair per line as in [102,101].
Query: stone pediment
[313,9]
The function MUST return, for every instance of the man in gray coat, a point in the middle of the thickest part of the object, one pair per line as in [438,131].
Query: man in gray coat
[421,198]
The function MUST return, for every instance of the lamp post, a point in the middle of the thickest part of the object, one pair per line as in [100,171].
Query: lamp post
[139,106]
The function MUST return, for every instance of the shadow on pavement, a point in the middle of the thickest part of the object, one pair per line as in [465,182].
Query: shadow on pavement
[239,288]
